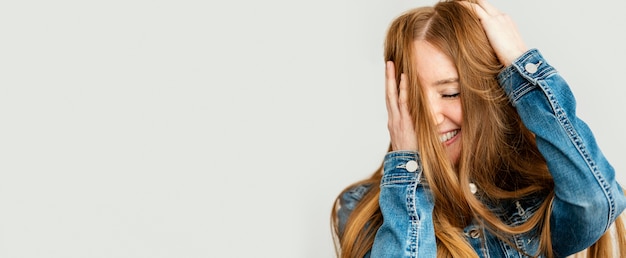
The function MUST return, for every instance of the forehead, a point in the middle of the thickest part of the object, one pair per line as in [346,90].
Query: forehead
[432,65]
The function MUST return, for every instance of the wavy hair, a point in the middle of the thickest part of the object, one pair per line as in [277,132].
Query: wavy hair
[499,154]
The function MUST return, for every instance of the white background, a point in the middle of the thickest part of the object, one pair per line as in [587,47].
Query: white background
[144,128]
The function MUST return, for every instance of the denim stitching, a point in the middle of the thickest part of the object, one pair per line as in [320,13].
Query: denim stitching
[520,92]
[575,138]
[542,73]
[413,216]
[397,179]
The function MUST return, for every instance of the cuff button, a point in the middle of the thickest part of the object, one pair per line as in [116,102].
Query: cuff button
[530,68]
[411,166]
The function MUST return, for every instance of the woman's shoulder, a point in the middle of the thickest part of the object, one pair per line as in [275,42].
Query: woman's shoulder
[354,194]
[348,201]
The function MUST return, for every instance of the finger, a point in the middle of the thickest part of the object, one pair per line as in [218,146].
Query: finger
[490,9]
[403,99]
[391,90]
[403,96]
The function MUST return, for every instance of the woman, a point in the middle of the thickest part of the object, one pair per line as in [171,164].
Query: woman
[487,157]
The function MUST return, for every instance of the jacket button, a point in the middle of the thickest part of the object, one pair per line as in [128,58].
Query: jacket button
[531,68]
[411,166]
[474,233]
[473,188]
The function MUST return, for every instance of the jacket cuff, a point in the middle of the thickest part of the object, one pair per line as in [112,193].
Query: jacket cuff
[401,167]
[522,75]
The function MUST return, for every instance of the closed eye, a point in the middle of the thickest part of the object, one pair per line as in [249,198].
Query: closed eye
[450,96]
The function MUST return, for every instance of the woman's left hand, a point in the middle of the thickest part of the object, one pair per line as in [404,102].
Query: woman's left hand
[400,123]
[501,31]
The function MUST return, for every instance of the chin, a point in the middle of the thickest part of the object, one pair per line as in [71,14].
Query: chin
[454,154]
[455,160]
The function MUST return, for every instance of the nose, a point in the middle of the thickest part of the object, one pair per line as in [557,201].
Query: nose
[439,117]
[437,111]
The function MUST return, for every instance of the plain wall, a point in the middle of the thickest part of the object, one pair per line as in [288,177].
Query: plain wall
[226,128]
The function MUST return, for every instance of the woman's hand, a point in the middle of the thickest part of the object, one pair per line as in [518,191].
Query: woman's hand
[401,127]
[501,31]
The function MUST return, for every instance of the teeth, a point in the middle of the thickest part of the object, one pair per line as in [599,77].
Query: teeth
[447,136]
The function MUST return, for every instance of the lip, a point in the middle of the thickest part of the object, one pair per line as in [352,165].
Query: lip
[453,139]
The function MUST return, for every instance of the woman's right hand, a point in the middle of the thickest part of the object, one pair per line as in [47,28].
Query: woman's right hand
[400,124]
[502,32]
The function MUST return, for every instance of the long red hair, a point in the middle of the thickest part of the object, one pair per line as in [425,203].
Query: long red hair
[499,153]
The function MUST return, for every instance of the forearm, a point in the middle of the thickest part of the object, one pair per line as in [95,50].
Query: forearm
[406,205]
[587,197]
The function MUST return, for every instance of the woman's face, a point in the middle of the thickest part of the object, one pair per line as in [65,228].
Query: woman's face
[440,82]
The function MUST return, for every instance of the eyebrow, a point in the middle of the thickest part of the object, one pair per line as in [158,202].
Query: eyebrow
[446,81]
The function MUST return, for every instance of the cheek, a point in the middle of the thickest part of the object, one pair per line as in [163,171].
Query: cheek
[457,112]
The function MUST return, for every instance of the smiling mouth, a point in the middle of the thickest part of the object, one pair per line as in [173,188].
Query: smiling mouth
[449,135]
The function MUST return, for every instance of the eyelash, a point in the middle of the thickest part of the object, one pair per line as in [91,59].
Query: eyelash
[451,96]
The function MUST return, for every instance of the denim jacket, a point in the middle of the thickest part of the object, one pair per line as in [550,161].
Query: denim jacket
[587,197]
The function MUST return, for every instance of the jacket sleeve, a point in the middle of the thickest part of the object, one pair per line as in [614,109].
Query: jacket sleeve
[406,205]
[587,197]
[347,203]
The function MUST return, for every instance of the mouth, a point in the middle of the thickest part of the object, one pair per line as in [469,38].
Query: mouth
[449,135]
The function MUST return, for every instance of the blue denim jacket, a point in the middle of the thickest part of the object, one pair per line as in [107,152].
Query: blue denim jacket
[587,197]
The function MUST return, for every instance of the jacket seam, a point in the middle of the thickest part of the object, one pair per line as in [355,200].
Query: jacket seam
[414,219]
[571,132]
